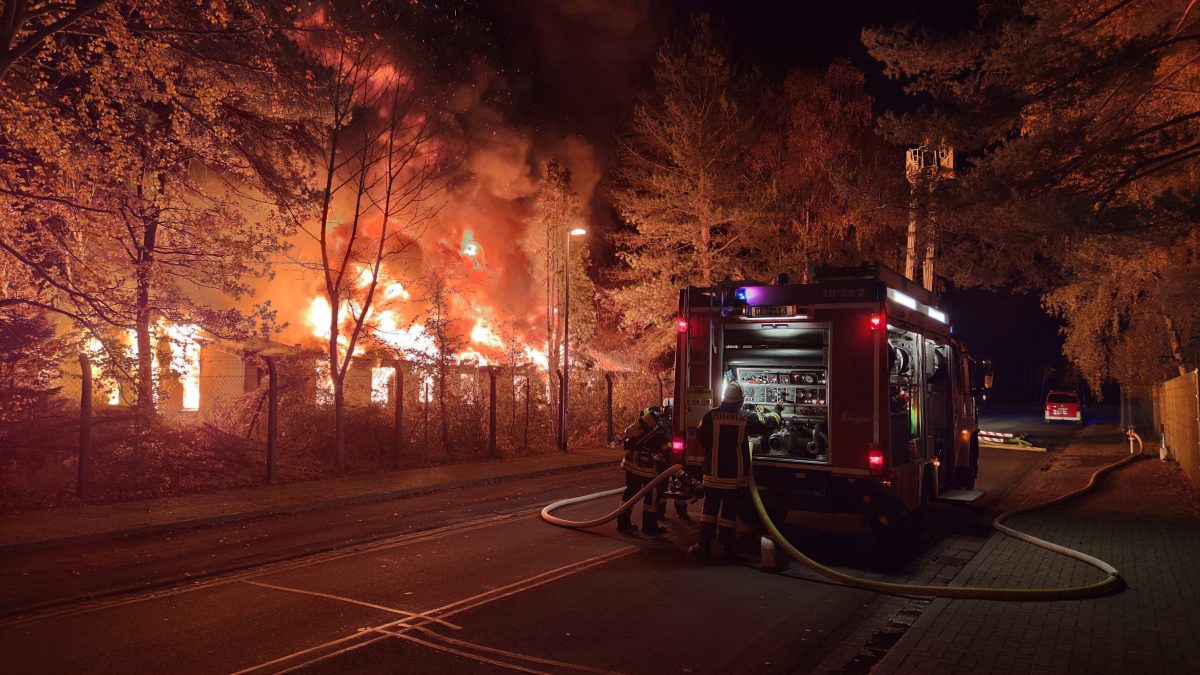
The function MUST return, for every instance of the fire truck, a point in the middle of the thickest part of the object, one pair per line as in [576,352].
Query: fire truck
[879,415]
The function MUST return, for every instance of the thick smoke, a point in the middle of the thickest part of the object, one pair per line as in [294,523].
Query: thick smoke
[583,66]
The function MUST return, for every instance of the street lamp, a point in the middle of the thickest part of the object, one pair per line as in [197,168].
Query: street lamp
[564,395]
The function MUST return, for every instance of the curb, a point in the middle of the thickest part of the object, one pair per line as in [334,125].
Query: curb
[304,507]
[896,657]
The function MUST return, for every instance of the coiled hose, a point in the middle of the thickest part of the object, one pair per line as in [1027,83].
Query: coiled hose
[1109,584]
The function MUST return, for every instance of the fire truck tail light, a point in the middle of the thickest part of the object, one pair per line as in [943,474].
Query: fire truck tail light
[876,321]
[875,459]
[676,448]
[682,325]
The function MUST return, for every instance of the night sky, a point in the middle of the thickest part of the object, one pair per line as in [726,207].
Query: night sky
[574,67]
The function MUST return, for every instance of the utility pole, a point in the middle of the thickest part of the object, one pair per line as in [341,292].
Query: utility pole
[565,395]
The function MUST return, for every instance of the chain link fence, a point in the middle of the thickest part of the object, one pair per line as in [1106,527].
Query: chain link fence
[213,431]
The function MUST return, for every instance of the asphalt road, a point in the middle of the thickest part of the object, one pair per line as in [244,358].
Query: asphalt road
[464,581]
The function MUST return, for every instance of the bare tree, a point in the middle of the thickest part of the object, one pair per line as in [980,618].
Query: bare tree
[384,168]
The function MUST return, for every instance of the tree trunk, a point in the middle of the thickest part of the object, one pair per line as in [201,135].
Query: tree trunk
[1173,338]
[927,269]
[145,352]
[442,410]
[339,423]
[706,266]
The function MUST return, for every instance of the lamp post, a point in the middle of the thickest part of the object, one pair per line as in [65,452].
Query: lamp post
[564,395]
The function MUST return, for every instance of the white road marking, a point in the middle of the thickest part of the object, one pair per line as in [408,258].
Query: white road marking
[452,608]
[274,568]
[467,655]
[504,652]
[341,598]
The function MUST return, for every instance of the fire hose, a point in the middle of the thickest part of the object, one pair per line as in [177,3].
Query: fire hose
[1112,581]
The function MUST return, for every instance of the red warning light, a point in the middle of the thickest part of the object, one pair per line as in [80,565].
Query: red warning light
[875,460]
[677,449]
[876,321]
[682,325]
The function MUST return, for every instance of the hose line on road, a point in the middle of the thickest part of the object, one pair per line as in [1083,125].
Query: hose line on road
[1112,582]
[625,506]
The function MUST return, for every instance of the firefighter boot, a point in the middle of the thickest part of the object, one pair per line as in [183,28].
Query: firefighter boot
[624,524]
[650,526]
[681,510]
[700,550]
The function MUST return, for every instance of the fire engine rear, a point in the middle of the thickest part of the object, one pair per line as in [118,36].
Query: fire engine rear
[878,408]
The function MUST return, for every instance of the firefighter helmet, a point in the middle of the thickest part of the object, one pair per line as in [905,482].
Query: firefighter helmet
[734,394]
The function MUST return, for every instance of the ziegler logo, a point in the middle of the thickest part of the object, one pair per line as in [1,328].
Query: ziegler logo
[847,418]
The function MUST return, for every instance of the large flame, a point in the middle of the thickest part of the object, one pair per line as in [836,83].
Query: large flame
[182,339]
[185,360]
[485,234]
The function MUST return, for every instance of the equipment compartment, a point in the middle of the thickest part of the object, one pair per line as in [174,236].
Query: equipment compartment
[795,376]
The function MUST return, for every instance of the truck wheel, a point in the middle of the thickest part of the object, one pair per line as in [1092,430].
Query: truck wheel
[894,525]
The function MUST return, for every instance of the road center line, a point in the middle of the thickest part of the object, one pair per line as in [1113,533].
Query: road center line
[352,601]
[455,607]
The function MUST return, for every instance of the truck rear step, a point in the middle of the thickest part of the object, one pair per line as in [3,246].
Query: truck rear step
[959,496]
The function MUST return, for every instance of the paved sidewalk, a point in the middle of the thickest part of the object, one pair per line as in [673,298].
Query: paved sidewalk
[1144,519]
[99,521]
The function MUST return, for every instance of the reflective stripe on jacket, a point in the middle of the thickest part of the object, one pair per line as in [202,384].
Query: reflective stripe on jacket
[723,433]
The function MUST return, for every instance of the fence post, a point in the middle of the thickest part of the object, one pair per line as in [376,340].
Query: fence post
[272,417]
[491,372]
[398,404]
[84,469]
[608,378]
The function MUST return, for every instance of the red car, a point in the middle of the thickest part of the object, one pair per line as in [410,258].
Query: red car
[1063,406]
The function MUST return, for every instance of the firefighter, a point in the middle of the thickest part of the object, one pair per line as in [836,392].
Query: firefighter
[646,442]
[724,434]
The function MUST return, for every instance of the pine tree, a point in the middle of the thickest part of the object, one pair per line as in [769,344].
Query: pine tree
[1080,120]
[680,184]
